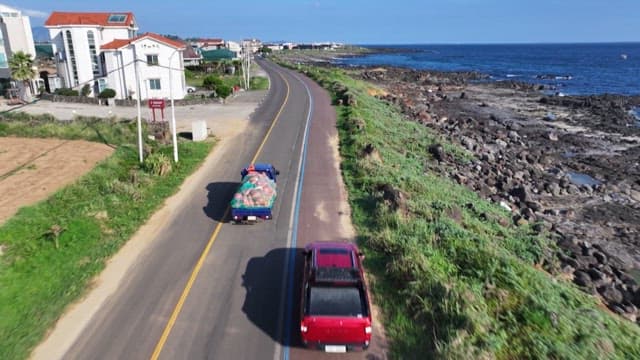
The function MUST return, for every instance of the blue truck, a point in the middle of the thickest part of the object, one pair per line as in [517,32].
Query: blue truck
[256,194]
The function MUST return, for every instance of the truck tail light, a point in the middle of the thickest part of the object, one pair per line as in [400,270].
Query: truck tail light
[367,330]
[303,328]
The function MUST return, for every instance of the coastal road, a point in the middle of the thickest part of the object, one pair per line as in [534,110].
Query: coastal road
[233,309]
[207,289]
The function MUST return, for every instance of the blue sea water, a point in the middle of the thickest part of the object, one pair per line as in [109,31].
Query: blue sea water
[578,69]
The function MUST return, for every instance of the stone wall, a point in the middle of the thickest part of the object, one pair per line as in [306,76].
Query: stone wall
[70,99]
[126,102]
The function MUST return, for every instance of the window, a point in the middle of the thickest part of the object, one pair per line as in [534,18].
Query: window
[102,84]
[72,57]
[3,60]
[95,66]
[117,18]
[154,84]
[152,60]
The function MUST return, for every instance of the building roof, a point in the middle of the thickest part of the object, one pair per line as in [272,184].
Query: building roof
[120,43]
[190,53]
[105,19]
[214,55]
[211,41]
[7,9]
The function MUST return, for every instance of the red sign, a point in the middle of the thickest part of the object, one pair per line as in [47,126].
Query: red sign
[156,104]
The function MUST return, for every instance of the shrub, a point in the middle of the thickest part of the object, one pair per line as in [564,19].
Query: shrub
[107,94]
[66,92]
[223,91]
[211,82]
[157,164]
[86,90]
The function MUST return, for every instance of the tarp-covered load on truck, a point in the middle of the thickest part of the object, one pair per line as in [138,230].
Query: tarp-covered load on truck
[256,194]
[257,190]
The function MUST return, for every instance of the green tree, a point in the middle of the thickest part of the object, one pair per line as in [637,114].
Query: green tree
[266,50]
[107,93]
[224,91]
[86,90]
[211,82]
[21,65]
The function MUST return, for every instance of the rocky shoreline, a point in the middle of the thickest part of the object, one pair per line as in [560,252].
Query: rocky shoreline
[568,164]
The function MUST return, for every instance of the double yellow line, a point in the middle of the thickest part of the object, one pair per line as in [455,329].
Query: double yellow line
[196,269]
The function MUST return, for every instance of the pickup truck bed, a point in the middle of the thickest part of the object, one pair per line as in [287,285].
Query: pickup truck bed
[336,301]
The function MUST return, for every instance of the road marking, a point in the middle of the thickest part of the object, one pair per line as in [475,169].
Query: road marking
[196,269]
[291,260]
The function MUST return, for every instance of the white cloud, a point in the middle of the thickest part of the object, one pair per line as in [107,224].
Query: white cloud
[35,13]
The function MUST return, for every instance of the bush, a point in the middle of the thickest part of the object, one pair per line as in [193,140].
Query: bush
[157,164]
[224,91]
[211,82]
[86,90]
[107,94]
[66,92]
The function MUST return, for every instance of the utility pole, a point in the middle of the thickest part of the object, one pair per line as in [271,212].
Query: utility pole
[135,66]
[246,64]
[173,107]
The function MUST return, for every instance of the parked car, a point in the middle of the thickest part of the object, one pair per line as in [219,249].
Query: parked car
[335,312]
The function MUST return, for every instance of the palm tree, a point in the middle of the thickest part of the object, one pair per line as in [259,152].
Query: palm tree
[21,66]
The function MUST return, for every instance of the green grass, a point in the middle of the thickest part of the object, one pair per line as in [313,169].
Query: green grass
[259,83]
[53,248]
[452,282]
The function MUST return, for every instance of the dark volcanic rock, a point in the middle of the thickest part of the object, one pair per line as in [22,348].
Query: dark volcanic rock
[438,152]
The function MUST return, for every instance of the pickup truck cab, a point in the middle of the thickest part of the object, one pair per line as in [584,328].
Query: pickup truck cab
[335,312]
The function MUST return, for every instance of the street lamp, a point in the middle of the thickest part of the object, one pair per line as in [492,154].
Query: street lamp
[173,108]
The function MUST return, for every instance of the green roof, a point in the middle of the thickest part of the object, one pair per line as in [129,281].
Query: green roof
[44,51]
[219,54]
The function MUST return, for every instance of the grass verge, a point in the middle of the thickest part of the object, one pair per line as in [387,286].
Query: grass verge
[454,278]
[54,248]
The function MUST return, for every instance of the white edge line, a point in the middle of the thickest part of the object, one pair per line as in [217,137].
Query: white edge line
[291,236]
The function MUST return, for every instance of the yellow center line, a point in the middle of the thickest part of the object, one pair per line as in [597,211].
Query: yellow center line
[196,269]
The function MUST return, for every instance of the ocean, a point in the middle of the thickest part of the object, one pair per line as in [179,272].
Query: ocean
[572,69]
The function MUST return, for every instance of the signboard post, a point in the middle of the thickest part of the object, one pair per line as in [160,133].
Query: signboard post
[157,104]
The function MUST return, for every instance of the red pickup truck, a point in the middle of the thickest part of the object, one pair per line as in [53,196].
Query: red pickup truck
[335,312]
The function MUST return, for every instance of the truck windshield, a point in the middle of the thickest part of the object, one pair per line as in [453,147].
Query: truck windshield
[335,301]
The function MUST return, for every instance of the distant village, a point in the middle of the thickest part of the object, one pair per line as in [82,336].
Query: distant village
[89,52]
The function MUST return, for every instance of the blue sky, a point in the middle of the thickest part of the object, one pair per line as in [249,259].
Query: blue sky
[372,21]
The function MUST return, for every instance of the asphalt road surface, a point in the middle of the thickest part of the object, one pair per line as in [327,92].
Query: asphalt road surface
[207,289]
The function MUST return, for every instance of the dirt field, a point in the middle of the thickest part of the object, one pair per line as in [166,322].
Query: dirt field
[33,169]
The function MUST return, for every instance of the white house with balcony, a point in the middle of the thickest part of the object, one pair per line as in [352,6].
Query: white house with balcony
[77,40]
[15,35]
[160,67]
[99,49]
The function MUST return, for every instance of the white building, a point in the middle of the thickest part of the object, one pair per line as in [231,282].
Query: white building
[235,47]
[15,35]
[160,67]
[77,39]
[98,49]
